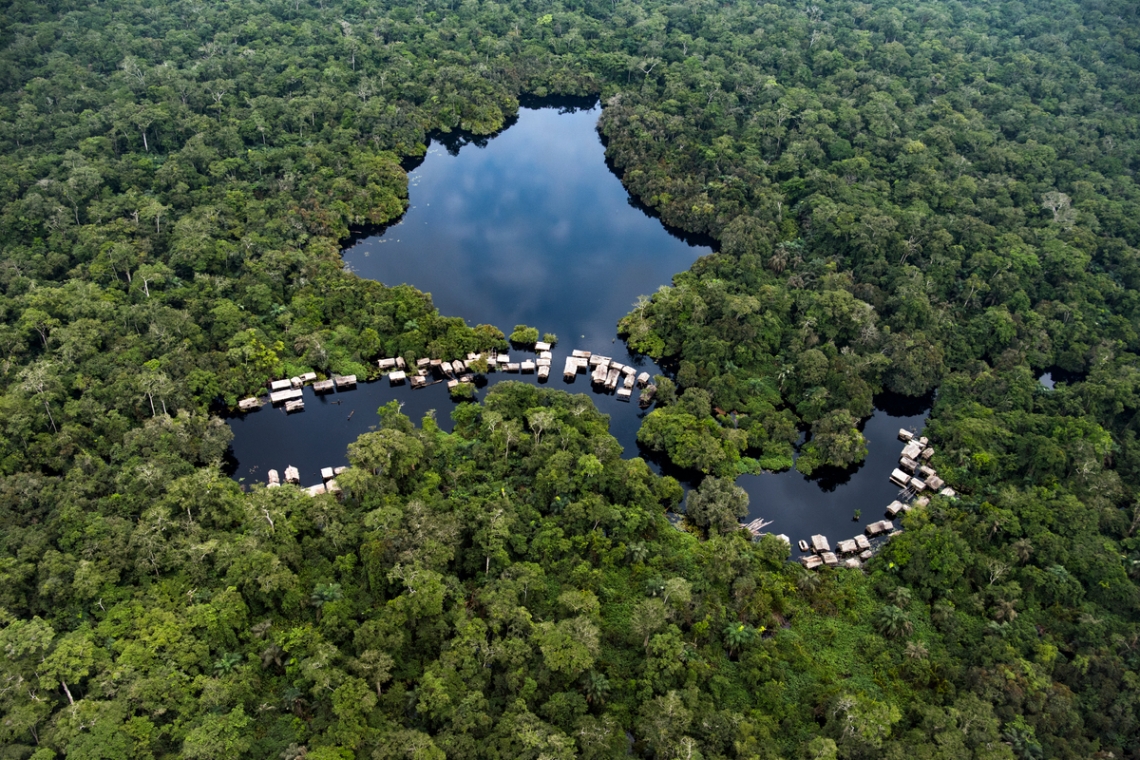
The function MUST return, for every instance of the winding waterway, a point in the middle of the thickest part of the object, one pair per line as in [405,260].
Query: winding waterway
[532,227]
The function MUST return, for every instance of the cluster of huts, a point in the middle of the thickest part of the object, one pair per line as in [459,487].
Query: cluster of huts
[289,391]
[610,375]
[293,475]
[606,373]
[857,550]
[915,477]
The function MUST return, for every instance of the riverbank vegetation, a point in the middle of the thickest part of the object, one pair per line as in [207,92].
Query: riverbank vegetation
[906,196]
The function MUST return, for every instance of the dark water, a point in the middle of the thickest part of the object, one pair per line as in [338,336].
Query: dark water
[800,507]
[532,227]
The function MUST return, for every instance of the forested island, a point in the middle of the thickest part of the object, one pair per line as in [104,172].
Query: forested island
[916,197]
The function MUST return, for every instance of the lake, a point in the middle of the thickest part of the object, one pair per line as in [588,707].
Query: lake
[532,227]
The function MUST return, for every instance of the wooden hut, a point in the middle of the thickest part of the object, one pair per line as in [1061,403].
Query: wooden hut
[900,478]
[297,405]
[912,450]
[949,492]
[918,484]
[570,370]
[612,379]
[419,381]
[344,381]
[908,464]
[880,527]
[280,385]
[527,366]
[862,543]
[296,382]
[400,363]
[308,377]
[541,345]
[323,386]
[274,478]
[866,554]
[921,501]
[545,355]
[543,371]
[628,382]
[580,354]
[452,384]
[386,363]
[435,363]
[398,377]
[327,473]
[423,362]
[847,547]
[895,507]
[332,486]
[852,563]
[445,368]
[617,365]
[280,397]
[630,371]
[316,490]
[643,380]
[249,404]
[927,453]
[512,367]
[936,483]
[292,474]
[624,394]
[819,543]
[905,435]
[829,559]
[811,561]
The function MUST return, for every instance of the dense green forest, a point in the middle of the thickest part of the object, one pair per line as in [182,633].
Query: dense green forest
[913,196]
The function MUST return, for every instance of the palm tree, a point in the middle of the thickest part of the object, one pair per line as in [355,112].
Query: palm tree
[597,687]
[893,623]
[737,635]
[901,597]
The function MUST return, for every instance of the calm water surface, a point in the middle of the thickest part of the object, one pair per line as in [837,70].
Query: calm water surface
[531,227]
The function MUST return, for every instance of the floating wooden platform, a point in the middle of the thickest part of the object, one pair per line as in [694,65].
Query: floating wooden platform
[323,386]
[248,404]
[344,381]
[294,406]
[280,385]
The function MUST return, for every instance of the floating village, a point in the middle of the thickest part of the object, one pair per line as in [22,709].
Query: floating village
[914,476]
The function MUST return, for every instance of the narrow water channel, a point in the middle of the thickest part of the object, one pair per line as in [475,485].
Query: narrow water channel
[531,227]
